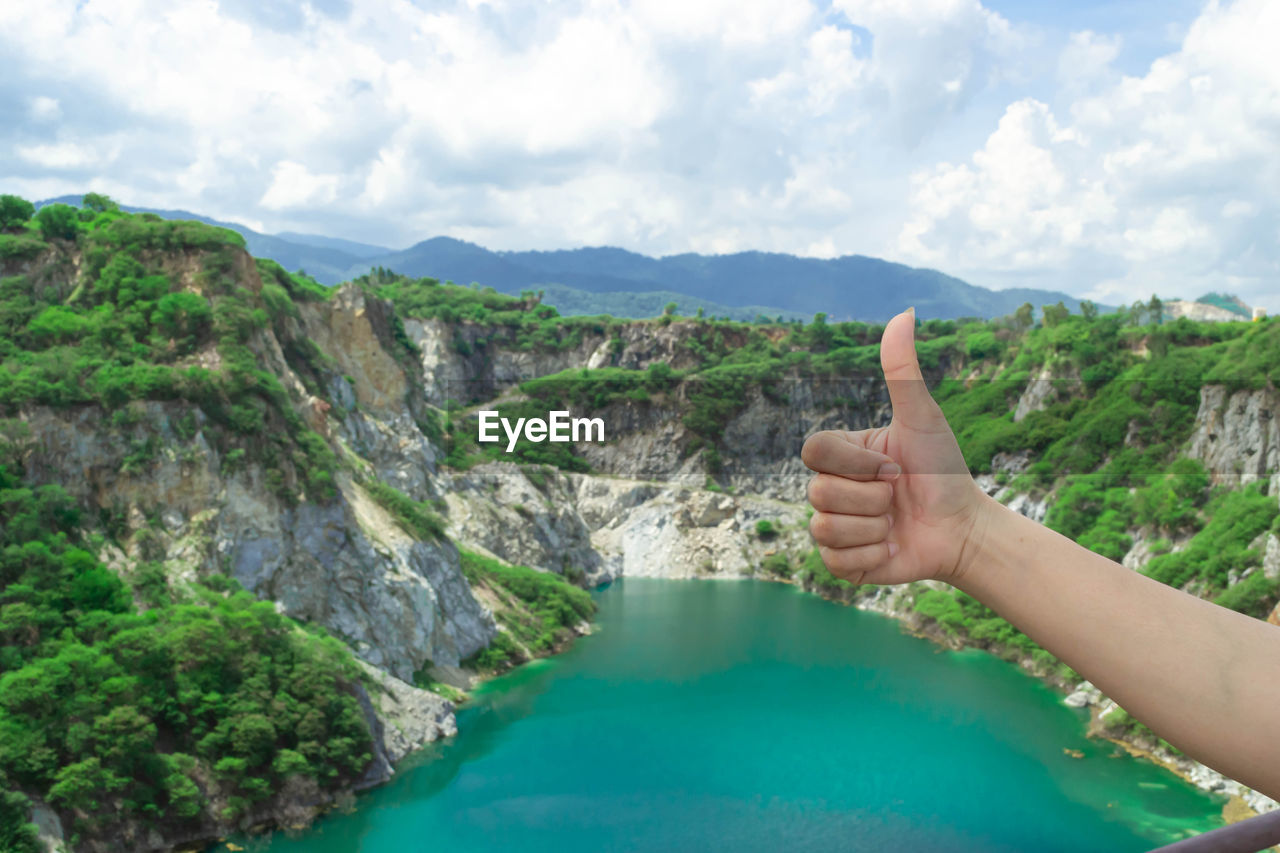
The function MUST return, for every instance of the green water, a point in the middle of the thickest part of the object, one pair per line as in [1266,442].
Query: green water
[750,716]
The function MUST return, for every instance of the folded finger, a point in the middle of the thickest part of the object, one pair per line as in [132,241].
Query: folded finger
[830,493]
[852,564]
[847,531]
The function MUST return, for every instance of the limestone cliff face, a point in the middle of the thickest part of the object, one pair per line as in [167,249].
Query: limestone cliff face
[760,450]
[1237,435]
[171,495]
[680,532]
[1045,387]
[607,527]
[468,361]
[526,516]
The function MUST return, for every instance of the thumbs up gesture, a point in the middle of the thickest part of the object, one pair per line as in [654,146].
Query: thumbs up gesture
[896,503]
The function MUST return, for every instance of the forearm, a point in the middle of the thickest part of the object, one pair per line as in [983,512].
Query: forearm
[1205,678]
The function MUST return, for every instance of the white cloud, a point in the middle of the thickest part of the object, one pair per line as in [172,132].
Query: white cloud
[44,108]
[817,84]
[1087,58]
[60,155]
[931,56]
[1166,181]
[741,23]
[1019,205]
[293,185]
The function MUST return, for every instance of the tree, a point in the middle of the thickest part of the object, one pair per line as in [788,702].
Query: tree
[1055,314]
[659,376]
[820,334]
[58,221]
[1024,317]
[701,311]
[181,313]
[669,309]
[15,210]
[16,833]
[1156,309]
[1138,313]
[98,203]
[56,325]
[1088,310]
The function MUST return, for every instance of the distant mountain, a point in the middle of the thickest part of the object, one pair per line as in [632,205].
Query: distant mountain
[606,279]
[350,247]
[850,287]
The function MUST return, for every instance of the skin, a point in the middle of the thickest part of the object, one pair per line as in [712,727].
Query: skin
[897,504]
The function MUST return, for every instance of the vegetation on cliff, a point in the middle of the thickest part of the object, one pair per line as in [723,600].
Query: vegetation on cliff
[537,611]
[142,704]
[156,311]
[131,707]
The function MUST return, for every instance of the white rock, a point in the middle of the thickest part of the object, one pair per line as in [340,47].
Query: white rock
[1271,557]
[1084,695]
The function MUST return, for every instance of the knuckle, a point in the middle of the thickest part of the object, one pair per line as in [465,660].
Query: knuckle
[844,563]
[820,492]
[821,526]
[853,562]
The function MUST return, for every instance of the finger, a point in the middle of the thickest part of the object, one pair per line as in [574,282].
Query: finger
[913,406]
[847,531]
[852,564]
[834,453]
[829,493]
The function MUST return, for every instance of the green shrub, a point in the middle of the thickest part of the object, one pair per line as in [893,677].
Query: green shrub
[1236,518]
[15,211]
[815,573]
[1256,595]
[943,608]
[58,222]
[501,653]
[777,564]
[416,517]
[20,247]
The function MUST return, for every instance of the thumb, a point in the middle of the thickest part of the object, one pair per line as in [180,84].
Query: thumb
[912,405]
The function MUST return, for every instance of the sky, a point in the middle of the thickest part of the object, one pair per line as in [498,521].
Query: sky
[1108,149]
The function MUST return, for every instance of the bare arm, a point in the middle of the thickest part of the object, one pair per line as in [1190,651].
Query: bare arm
[1205,678]
[896,504]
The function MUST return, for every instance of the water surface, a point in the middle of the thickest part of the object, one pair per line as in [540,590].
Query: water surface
[750,716]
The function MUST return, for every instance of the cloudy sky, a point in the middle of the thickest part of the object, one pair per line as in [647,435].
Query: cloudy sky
[1109,149]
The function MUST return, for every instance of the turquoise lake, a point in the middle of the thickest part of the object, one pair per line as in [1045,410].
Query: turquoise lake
[745,715]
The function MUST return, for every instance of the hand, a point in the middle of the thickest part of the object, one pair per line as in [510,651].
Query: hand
[895,504]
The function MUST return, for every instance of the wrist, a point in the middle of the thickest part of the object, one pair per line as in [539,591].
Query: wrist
[976,544]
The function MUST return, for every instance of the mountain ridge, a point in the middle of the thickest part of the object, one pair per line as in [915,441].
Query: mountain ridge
[848,287]
[773,283]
